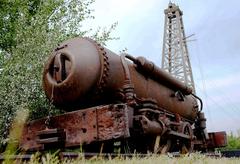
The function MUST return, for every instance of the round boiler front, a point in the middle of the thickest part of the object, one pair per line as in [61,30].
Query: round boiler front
[73,70]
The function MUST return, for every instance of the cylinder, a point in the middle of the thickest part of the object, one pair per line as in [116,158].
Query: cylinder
[147,67]
[81,73]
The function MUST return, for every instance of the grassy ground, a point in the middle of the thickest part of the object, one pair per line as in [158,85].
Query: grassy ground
[151,159]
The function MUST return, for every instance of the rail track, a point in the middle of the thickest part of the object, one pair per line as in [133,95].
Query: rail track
[75,155]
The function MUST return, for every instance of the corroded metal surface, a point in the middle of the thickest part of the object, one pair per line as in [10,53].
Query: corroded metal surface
[217,139]
[80,127]
[147,67]
[85,74]
[82,76]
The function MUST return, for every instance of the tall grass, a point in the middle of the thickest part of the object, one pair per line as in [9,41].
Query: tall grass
[15,133]
[151,159]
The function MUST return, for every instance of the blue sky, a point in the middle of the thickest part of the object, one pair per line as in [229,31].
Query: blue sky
[215,55]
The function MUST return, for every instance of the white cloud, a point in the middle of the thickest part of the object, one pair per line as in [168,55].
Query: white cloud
[223,81]
[134,19]
[140,29]
[227,124]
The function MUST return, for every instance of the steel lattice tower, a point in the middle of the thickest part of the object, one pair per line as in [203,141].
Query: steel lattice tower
[175,58]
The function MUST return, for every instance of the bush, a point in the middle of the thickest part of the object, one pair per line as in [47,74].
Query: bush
[35,27]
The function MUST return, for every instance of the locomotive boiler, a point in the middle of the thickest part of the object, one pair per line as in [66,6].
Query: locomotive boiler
[116,101]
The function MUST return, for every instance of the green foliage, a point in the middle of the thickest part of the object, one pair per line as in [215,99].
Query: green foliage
[233,142]
[29,30]
[10,13]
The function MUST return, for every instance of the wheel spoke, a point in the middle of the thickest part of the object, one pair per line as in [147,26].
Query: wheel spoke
[166,147]
[187,146]
[184,150]
[157,144]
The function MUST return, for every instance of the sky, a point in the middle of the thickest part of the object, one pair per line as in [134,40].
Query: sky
[215,55]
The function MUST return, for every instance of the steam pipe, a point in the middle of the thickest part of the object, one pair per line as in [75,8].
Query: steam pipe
[200,100]
[148,68]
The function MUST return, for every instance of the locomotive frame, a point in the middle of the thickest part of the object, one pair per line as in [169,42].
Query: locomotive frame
[124,120]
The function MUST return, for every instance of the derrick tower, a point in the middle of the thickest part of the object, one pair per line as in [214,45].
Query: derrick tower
[175,58]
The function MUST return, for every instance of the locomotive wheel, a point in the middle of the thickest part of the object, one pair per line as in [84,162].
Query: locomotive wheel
[162,148]
[166,147]
[187,145]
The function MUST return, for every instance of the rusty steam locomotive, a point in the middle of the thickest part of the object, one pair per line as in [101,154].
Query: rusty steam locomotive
[116,101]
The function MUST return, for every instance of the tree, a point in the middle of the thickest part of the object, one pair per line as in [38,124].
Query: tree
[29,30]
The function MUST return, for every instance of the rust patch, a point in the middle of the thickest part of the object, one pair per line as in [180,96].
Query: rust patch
[81,127]
[217,139]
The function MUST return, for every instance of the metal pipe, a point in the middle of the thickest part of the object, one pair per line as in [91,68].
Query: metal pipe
[159,75]
[200,100]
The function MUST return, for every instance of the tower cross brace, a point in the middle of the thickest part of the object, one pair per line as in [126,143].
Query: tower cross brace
[175,58]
